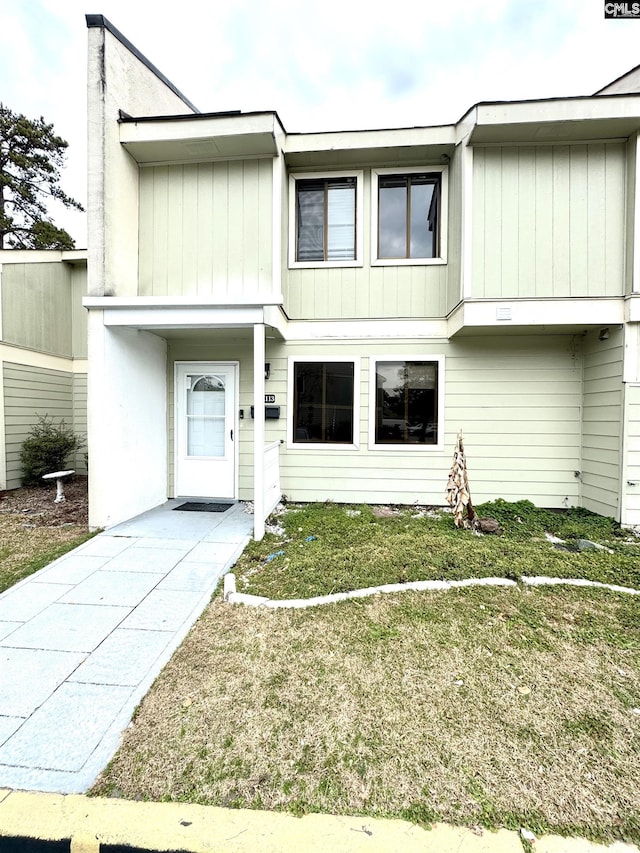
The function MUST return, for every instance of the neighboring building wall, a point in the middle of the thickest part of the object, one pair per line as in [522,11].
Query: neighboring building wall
[42,350]
[206,230]
[30,392]
[36,307]
[366,291]
[517,400]
[602,422]
[549,220]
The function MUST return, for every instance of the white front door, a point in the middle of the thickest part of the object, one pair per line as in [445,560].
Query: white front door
[205,429]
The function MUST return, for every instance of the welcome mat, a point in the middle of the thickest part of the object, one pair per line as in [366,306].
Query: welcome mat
[194,506]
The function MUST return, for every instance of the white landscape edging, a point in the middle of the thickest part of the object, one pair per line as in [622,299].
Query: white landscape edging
[234,597]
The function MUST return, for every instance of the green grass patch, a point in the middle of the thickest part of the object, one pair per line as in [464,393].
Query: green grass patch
[327,548]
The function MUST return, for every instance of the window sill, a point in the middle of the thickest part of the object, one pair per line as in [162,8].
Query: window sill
[312,265]
[326,445]
[408,448]
[408,262]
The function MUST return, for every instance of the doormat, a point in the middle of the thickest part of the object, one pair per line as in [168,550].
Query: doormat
[193,506]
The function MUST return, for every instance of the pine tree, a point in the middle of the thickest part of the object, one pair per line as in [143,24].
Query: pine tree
[31,157]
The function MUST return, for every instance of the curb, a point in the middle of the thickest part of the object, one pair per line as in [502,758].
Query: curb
[72,823]
[234,597]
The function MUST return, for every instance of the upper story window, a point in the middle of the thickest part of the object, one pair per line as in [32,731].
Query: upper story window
[409,216]
[324,219]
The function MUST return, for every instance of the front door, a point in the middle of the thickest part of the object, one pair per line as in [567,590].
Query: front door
[205,429]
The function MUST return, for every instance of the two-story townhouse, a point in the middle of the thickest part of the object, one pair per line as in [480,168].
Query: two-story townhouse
[319,314]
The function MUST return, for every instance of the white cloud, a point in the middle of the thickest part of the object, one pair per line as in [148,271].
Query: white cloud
[322,65]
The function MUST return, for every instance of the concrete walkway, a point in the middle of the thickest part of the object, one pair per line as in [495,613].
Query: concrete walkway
[82,640]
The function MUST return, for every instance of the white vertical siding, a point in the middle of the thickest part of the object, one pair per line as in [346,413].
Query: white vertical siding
[602,423]
[206,229]
[549,220]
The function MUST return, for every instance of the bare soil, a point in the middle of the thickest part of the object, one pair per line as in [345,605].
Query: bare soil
[37,504]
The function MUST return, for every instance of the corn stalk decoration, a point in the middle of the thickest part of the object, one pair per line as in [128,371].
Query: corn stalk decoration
[458,494]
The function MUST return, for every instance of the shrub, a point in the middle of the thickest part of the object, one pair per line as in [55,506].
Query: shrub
[46,449]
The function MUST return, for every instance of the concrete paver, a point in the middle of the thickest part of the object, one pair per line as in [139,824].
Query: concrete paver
[83,639]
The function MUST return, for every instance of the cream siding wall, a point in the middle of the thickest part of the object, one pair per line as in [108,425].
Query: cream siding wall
[632,165]
[28,393]
[549,220]
[36,307]
[454,253]
[517,399]
[367,291]
[206,229]
[631,473]
[602,423]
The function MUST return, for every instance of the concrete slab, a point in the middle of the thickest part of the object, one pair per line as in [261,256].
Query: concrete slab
[124,589]
[164,610]
[29,676]
[70,569]
[194,577]
[184,545]
[63,734]
[68,627]
[124,658]
[151,560]
[9,725]
[214,554]
[105,545]
[6,628]
[25,601]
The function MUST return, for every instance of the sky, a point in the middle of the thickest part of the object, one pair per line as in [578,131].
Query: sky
[330,65]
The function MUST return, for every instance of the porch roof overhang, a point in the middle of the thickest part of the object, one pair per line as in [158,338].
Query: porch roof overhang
[361,147]
[195,139]
[158,314]
[554,120]
[552,315]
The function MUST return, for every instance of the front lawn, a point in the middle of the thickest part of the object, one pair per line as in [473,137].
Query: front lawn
[479,706]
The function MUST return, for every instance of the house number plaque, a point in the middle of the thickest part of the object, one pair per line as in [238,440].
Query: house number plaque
[269,398]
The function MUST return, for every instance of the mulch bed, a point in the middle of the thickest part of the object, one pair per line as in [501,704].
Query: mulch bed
[37,504]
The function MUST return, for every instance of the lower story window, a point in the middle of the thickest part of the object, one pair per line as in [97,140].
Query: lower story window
[323,402]
[407,402]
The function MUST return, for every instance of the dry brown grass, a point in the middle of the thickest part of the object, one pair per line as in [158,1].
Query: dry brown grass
[34,529]
[479,706]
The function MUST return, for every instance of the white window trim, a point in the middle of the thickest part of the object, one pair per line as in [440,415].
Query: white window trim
[323,445]
[296,176]
[442,218]
[406,448]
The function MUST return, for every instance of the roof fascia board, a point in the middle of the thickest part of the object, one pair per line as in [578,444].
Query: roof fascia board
[99,21]
[352,140]
[196,127]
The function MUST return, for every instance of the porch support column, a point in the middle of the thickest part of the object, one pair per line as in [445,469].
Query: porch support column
[258,430]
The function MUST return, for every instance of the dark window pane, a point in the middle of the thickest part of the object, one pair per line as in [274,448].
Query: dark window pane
[392,206]
[408,216]
[406,402]
[422,231]
[323,402]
